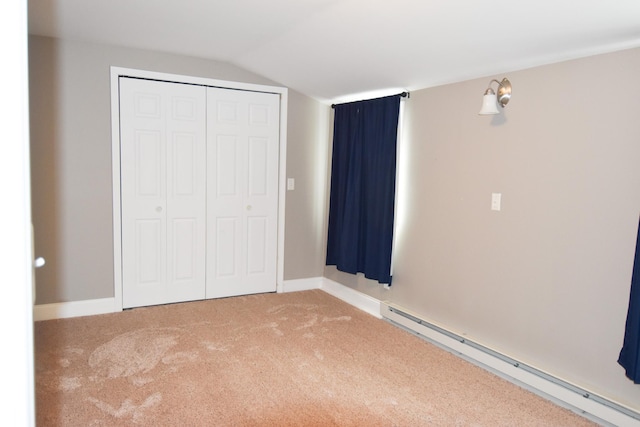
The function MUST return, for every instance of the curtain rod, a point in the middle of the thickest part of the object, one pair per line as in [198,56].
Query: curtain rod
[403,95]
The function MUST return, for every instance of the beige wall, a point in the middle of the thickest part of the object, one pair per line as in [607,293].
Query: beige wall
[305,230]
[71,163]
[546,280]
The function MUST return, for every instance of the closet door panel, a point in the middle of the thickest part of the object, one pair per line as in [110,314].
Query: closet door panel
[186,193]
[226,248]
[149,258]
[163,182]
[242,189]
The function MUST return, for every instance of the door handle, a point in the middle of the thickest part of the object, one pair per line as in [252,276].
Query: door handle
[39,262]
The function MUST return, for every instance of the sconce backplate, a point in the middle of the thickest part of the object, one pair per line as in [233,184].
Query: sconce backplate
[504,92]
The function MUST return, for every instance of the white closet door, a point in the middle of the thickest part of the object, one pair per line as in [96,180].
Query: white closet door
[242,192]
[163,180]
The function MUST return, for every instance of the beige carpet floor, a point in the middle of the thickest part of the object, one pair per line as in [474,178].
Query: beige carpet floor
[295,359]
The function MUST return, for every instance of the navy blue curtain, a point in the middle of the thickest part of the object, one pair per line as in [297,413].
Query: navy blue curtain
[363,185]
[630,353]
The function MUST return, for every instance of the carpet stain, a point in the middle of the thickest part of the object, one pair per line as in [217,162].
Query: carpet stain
[271,325]
[313,319]
[181,357]
[282,307]
[337,319]
[69,383]
[213,346]
[140,381]
[70,353]
[127,409]
[133,353]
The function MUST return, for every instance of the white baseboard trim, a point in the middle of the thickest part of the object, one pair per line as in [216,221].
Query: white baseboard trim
[297,285]
[351,296]
[65,310]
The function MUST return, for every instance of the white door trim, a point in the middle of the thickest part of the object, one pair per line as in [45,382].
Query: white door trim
[116,73]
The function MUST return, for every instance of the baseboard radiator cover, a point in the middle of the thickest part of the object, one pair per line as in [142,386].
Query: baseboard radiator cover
[556,389]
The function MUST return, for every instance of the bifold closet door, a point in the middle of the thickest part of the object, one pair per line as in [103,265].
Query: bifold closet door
[163,194]
[242,191]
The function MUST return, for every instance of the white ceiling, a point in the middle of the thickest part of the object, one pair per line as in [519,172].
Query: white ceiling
[334,49]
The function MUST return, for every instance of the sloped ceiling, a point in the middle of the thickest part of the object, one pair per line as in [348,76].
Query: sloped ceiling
[335,49]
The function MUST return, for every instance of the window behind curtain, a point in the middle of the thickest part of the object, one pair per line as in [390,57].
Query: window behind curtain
[363,182]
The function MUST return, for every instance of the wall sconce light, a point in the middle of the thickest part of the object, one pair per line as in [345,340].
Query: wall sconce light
[490,99]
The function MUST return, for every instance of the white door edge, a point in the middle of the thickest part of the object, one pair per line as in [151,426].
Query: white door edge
[116,73]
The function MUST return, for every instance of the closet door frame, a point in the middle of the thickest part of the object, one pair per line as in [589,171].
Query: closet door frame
[116,73]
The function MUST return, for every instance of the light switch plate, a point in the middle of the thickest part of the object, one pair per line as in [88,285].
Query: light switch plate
[496,201]
[291,184]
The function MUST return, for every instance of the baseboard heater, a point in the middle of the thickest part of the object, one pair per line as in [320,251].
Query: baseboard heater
[460,345]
